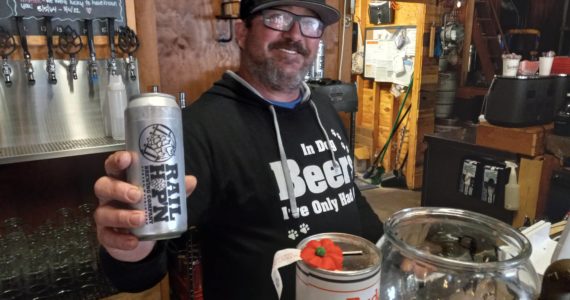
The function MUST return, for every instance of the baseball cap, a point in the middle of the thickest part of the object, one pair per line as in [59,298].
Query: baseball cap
[326,13]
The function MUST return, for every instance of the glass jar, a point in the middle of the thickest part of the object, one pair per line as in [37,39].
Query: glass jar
[442,253]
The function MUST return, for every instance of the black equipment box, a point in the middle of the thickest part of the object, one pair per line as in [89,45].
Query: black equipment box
[381,12]
[343,96]
[525,100]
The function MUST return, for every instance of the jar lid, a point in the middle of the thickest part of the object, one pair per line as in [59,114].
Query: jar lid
[359,255]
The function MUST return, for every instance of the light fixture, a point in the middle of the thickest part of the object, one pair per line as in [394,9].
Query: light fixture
[459,3]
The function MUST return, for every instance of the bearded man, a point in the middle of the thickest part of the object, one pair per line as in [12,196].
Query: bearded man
[272,165]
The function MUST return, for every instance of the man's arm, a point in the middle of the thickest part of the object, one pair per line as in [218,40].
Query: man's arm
[135,277]
[125,259]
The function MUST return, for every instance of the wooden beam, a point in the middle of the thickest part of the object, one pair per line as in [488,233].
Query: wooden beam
[413,181]
[345,45]
[469,14]
[529,182]
[147,54]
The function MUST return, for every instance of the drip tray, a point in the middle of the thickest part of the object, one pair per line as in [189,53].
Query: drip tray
[59,149]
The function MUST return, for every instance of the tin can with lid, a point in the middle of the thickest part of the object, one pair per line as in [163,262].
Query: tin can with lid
[359,277]
[153,130]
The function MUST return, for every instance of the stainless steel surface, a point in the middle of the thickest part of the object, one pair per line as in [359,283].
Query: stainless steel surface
[55,120]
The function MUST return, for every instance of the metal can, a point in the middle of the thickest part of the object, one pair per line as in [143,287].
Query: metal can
[358,279]
[154,138]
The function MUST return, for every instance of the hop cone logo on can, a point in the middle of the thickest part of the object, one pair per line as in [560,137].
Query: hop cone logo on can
[157,143]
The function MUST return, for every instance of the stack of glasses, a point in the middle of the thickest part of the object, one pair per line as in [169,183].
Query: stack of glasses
[56,260]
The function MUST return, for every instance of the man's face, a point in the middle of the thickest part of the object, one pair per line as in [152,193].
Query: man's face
[278,59]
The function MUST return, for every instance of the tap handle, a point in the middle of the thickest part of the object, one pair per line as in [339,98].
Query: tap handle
[90,41]
[182,99]
[132,68]
[111,32]
[128,40]
[73,67]
[92,65]
[7,43]
[70,41]
[50,68]
[7,72]
[24,45]
[22,33]
[49,35]
[29,68]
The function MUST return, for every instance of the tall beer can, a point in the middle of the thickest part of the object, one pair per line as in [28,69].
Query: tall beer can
[153,128]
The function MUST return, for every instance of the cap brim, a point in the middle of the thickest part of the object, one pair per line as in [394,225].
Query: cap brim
[327,14]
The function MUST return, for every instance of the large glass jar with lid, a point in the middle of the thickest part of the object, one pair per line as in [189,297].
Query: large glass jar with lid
[443,253]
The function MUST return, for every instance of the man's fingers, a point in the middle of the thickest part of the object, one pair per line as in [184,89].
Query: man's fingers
[108,216]
[190,182]
[112,239]
[117,163]
[107,188]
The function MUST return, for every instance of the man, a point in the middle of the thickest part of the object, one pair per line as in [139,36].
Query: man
[272,165]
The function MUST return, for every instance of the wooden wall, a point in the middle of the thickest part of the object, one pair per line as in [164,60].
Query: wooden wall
[190,58]
[378,107]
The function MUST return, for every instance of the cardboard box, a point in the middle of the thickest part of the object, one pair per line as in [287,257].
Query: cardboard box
[526,140]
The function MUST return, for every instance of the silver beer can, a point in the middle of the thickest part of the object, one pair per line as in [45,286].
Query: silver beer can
[153,131]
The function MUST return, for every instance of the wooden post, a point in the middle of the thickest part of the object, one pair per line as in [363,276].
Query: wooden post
[147,54]
[529,182]
[469,13]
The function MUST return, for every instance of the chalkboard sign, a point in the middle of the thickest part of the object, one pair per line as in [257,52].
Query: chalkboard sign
[64,12]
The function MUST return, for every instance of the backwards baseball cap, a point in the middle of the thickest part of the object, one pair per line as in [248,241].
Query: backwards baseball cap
[326,13]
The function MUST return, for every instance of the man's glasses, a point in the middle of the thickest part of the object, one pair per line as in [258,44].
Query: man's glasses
[282,20]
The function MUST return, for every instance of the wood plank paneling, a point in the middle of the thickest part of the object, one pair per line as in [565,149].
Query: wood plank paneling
[423,15]
[147,54]
[190,58]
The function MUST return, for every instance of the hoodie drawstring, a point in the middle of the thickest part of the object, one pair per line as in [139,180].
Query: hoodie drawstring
[285,167]
[335,162]
[283,157]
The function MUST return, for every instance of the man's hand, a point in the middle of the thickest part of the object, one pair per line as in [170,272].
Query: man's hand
[114,218]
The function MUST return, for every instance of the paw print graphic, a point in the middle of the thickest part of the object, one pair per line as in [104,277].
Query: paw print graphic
[292,234]
[304,228]
[335,134]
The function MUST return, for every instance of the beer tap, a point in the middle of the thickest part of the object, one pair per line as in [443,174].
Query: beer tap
[70,43]
[113,61]
[129,43]
[7,46]
[50,67]
[27,57]
[92,65]
[182,99]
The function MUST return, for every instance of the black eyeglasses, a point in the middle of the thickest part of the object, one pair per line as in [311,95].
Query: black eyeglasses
[282,20]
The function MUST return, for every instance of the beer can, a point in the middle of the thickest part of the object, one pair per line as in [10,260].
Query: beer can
[358,279]
[153,128]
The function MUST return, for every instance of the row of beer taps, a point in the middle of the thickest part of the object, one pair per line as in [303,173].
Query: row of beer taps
[70,43]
